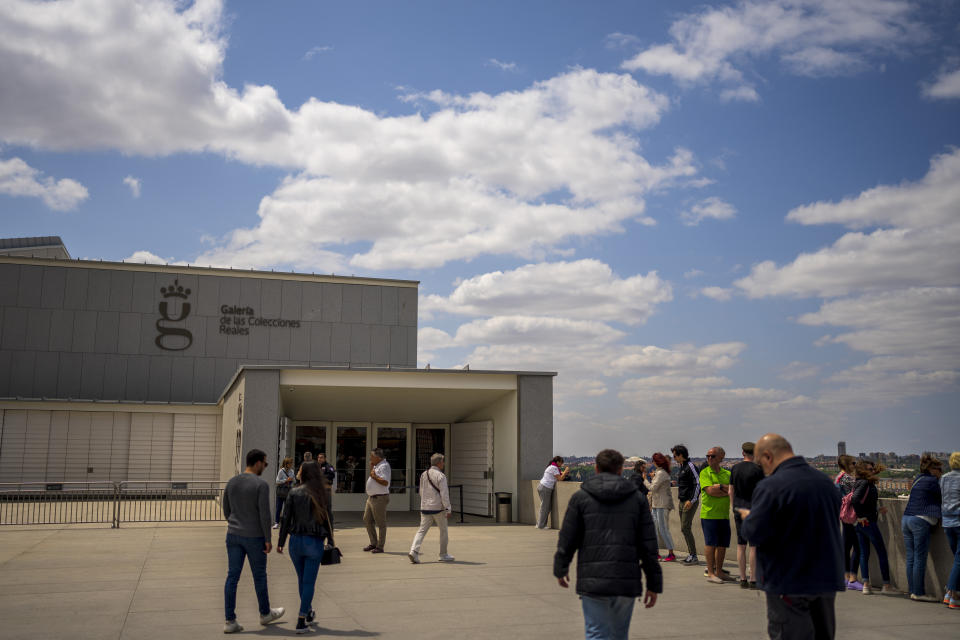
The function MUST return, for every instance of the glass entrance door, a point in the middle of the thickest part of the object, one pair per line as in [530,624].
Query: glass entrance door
[350,450]
[393,439]
[310,438]
[428,440]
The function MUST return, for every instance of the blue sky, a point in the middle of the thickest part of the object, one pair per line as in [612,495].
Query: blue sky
[713,220]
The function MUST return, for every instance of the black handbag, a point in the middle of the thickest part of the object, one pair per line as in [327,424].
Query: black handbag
[331,554]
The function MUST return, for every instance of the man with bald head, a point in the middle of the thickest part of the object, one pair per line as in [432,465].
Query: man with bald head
[793,523]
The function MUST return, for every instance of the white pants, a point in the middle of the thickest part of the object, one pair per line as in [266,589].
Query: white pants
[426,521]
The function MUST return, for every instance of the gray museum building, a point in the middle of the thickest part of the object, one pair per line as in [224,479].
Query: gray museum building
[113,371]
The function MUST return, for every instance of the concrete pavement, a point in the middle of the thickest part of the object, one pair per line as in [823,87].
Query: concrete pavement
[164,581]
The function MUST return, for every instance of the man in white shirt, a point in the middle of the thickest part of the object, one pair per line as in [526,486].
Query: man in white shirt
[378,496]
[434,508]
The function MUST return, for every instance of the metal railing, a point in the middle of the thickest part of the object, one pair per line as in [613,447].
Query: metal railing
[34,503]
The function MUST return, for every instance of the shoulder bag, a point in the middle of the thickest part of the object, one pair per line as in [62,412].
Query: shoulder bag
[331,553]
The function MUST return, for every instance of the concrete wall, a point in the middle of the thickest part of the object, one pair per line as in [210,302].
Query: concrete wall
[939,561]
[261,419]
[89,331]
[534,441]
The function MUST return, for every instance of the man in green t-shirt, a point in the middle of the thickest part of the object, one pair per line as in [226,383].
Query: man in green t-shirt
[715,514]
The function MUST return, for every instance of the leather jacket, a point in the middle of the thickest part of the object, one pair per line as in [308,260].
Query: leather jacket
[298,519]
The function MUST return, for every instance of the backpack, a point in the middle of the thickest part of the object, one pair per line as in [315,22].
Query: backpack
[847,513]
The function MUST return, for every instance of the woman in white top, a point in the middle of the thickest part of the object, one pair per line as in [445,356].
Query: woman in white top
[555,471]
[661,502]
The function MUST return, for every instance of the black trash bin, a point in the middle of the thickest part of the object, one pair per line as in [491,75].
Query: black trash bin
[504,506]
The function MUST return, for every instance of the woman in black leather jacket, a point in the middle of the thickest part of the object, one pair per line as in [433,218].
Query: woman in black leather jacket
[305,520]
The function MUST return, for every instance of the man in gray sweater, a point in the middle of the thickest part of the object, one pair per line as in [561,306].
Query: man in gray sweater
[246,506]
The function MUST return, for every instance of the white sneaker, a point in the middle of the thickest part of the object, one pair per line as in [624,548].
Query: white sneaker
[276,526]
[446,558]
[232,626]
[414,557]
[273,615]
[924,598]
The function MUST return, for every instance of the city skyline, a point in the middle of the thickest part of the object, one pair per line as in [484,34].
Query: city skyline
[712,220]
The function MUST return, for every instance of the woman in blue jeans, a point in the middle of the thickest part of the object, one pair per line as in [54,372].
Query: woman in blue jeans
[950,492]
[305,520]
[866,500]
[919,518]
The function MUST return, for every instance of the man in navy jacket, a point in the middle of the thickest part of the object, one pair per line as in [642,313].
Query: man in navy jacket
[794,524]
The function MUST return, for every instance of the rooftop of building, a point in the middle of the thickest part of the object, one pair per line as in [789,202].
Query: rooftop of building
[162,581]
[191,269]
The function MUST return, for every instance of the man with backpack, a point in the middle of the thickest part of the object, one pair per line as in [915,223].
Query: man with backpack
[434,508]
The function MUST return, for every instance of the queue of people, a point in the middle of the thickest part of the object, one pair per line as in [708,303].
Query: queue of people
[616,530]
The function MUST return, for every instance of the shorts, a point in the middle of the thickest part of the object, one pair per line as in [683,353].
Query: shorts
[716,533]
[738,521]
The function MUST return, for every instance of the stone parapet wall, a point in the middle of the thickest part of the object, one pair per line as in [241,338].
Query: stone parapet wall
[939,561]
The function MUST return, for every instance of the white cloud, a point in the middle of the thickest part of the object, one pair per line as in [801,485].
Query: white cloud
[721,294]
[315,51]
[134,184]
[811,37]
[136,77]
[17,178]
[692,273]
[584,289]
[742,93]
[149,258]
[917,244]
[713,208]
[798,370]
[685,359]
[896,288]
[476,177]
[503,66]
[518,173]
[619,40]
[946,85]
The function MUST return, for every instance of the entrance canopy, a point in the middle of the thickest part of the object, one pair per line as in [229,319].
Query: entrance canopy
[495,427]
[390,396]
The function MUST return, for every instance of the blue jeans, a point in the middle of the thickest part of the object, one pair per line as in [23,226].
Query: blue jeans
[306,552]
[953,537]
[866,535]
[280,502]
[916,539]
[239,547]
[607,617]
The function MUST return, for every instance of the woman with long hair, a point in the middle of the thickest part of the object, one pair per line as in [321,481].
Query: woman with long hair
[845,482]
[285,478]
[661,502]
[305,520]
[919,518]
[866,500]
[554,472]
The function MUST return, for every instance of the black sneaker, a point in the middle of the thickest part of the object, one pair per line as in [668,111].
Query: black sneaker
[744,584]
[311,616]
[302,626]
[753,585]
[691,560]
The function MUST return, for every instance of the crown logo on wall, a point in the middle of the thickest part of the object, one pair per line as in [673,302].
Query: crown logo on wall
[175,291]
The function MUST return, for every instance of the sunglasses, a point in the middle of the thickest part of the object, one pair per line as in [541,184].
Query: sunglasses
[710,455]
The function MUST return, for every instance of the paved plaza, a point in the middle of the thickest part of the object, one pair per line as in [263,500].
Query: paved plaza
[166,581]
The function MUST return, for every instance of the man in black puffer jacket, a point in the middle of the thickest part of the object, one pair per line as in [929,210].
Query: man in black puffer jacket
[609,526]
